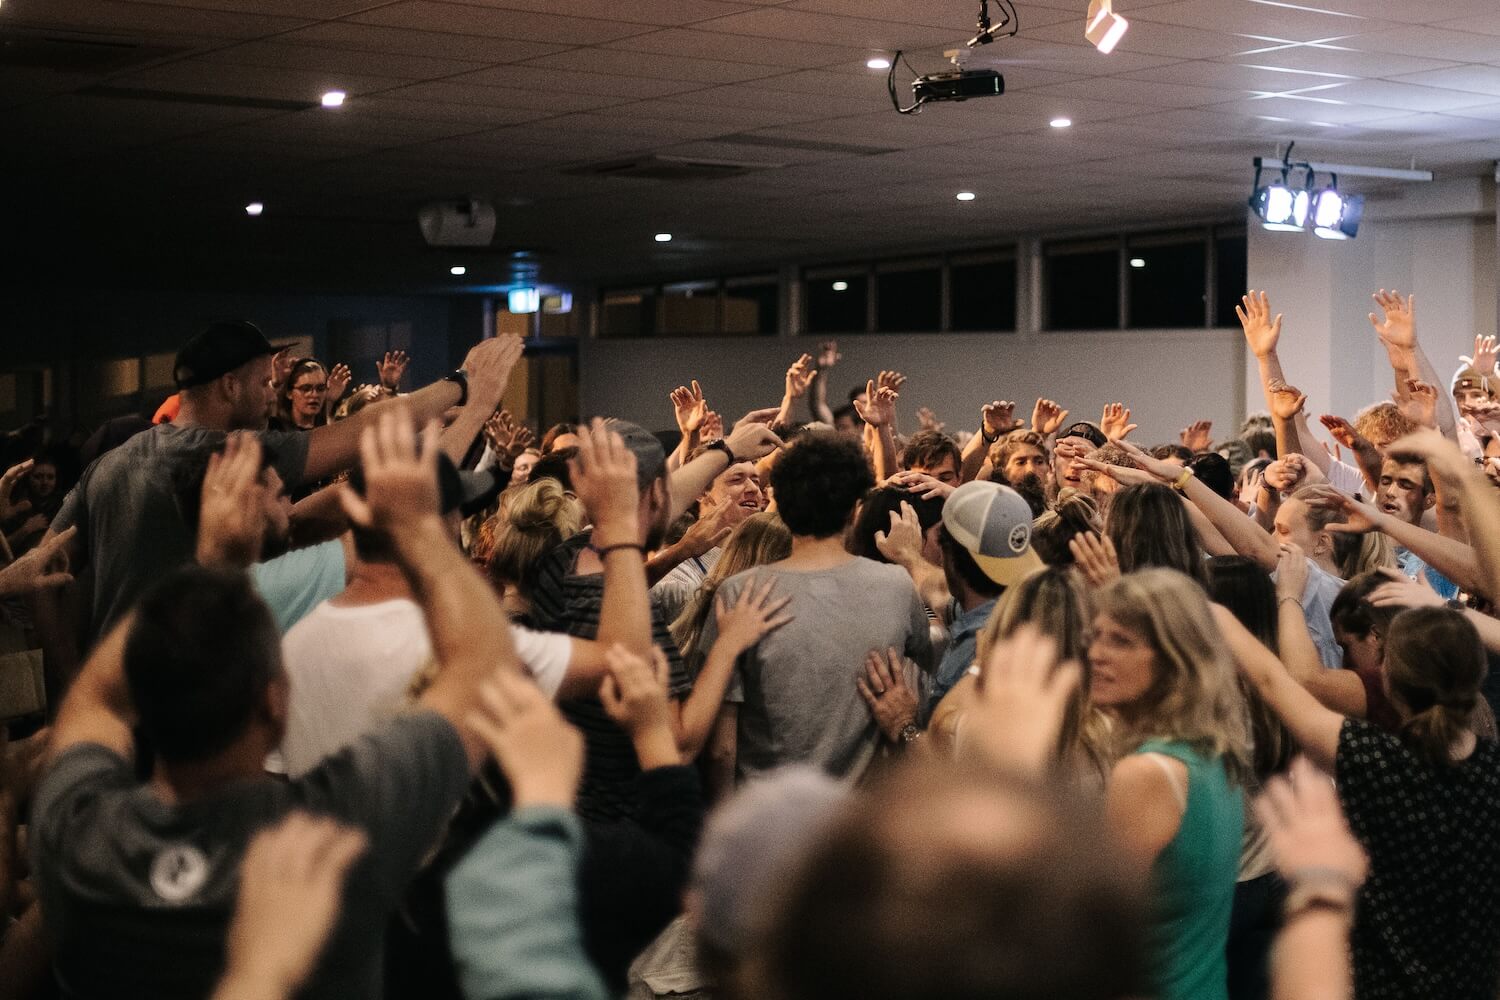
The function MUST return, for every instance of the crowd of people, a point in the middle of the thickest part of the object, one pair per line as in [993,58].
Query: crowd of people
[383,693]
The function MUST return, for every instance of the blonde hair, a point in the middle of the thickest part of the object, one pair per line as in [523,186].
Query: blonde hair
[1195,696]
[1382,423]
[1057,602]
[532,521]
[759,539]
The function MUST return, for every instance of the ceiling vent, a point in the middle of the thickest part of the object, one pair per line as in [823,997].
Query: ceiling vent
[667,168]
[76,55]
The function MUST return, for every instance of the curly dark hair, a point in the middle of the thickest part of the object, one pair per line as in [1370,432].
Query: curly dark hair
[928,449]
[817,481]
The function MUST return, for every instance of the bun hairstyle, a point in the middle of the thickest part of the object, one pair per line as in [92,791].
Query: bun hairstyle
[1434,663]
[1074,514]
[533,520]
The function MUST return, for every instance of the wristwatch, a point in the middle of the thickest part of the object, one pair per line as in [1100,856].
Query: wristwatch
[460,378]
[1456,605]
[910,733]
[722,445]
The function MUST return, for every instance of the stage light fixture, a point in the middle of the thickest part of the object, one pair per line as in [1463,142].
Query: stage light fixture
[1281,209]
[1336,216]
[523,301]
[1105,28]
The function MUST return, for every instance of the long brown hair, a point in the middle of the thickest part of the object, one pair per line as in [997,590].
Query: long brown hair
[1434,664]
[1195,696]
[759,539]
[1150,527]
[1057,602]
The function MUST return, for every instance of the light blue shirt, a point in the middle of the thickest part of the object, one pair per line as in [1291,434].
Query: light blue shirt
[1412,565]
[295,583]
[963,642]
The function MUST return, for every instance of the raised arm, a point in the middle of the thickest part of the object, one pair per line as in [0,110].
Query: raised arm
[1315,728]
[97,708]
[604,479]
[1397,330]
[994,420]
[879,414]
[828,357]
[470,633]
[1453,559]
[1340,691]
[749,441]
[1262,334]
[798,378]
[690,410]
[1478,501]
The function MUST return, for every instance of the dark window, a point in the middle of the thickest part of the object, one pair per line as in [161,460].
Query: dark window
[909,301]
[752,306]
[688,308]
[1083,286]
[983,295]
[1233,260]
[628,314]
[837,303]
[1168,283]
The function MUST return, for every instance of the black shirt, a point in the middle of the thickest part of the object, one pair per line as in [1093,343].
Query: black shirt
[1428,923]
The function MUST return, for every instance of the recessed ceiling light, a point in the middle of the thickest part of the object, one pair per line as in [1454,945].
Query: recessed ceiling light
[878,62]
[1061,122]
[334,98]
[966,196]
[841,286]
[458,269]
[1137,262]
[254,208]
[664,237]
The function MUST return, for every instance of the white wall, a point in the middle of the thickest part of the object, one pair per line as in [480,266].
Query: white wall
[1168,377]
[1437,241]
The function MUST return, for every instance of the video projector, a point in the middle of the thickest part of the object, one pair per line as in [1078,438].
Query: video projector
[959,85]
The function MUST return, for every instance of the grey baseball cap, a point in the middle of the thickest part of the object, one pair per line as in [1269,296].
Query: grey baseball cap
[993,523]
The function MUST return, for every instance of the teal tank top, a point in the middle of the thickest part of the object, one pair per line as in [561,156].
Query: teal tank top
[1192,881]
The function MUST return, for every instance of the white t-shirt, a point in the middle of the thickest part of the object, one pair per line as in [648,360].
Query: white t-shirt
[1346,478]
[350,668]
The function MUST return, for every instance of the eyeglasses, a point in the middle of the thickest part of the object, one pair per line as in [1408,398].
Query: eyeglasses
[306,387]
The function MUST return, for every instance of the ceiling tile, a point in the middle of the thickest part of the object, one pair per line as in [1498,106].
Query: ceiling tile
[574,82]
[737,48]
[458,92]
[434,44]
[1475,79]
[145,19]
[654,65]
[1405,96]
[200,76]
[279,54]
[797,25]
[1287,22]
[1140,92]
[665,13]
[427,15]
[1434,43]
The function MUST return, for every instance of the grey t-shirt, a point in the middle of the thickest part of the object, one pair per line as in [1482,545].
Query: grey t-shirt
[138,894]
[129,523]
[796,689]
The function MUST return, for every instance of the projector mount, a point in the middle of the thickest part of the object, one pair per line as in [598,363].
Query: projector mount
[959,84]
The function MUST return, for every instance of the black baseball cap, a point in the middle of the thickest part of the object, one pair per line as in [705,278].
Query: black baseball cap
[453,492]
[1086,430]
[218,350]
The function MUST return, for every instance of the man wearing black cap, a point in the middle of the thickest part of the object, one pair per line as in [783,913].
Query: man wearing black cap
[131,530]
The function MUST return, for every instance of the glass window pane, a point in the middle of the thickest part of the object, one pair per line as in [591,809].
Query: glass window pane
[1083,287]
[628,314]
[837,304]
[687,308]
[909,301]
[752,306]
[1234,265]
[983,296]
[1168,284]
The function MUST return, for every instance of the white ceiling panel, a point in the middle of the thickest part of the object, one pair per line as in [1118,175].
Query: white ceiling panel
[798,25]
[1475,79]
[664,13]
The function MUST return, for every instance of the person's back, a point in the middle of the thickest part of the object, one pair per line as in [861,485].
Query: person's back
[1194,878]
[797,699]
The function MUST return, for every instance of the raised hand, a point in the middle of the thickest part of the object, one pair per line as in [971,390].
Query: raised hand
[1021,700]
[1096,558]
[1486,414]
[690,407]
[800,376]
[928,420]
[540,754]
[879,408]
[1261,331]
[400,472]
[1197,436]
[752,438]
[1342,431]
[1486,350]
[925,486]
[44,567]
[1286,401]
[756,614]
[1291,572]
[489,364]
[890,699]
[1420,404]
[1047,417]
[712,429]
[1399,327]
[1356,518]
[1308,835]
[338,380]
[1285,474]
[1116,423]
[1165,471]
[232,507]
[8,482]
[604,480]
[291,885]
[998,417]
[281,365]
[828,355]
[391,368]
[902,544]
[1403,592]
[508,436]
[1442,456]
[707,533]
[890,380]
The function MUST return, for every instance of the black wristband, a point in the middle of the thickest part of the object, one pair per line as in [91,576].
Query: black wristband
[986,438]
[722,445]
[460,378]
